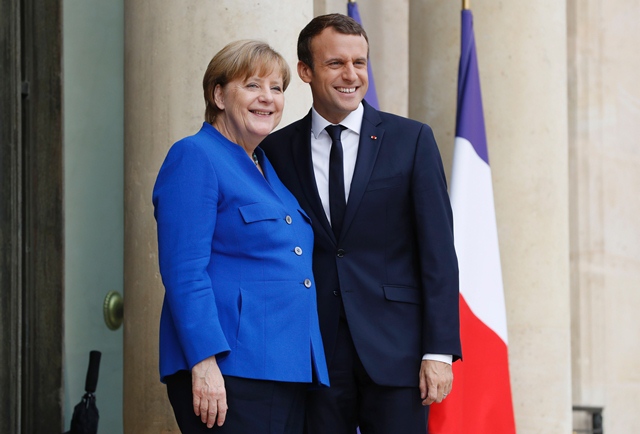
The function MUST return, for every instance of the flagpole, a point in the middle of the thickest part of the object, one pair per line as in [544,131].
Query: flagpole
[465,5]
[352,1]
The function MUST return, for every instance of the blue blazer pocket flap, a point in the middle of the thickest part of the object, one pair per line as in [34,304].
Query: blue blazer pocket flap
[404,294]
[260,211]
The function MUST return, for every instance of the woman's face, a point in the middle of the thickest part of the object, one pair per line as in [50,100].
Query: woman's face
[251,108]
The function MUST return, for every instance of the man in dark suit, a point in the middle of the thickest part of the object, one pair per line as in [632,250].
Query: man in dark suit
[384,260]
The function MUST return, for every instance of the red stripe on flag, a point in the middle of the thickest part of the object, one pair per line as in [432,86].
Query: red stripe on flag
[480,402]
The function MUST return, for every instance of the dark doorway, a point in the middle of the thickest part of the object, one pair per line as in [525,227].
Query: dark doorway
[31,220]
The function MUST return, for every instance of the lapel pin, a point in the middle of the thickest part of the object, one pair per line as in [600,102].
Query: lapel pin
[374,137]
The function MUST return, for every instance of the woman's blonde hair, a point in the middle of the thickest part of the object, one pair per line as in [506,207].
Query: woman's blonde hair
[240,59]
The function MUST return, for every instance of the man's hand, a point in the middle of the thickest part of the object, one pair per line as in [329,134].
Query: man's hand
[436,381]
[209,395]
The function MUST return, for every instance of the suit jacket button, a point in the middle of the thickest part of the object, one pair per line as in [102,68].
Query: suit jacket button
[336,293]
[307,283]
[298,251]
[340,253]
[288,219]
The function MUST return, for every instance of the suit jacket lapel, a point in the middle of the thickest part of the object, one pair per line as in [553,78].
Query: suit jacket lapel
[301,148]
[370,139]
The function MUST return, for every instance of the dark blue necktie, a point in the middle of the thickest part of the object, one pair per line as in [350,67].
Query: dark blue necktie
[337,200]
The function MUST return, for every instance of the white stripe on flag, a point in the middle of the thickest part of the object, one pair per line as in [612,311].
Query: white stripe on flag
[476,237]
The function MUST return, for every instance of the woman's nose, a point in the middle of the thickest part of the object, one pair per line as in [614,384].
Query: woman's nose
[265,95]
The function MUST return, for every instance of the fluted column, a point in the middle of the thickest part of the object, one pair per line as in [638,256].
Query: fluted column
[168,45]
[523,67]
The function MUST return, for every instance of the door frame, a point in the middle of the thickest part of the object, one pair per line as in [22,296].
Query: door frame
[31,216]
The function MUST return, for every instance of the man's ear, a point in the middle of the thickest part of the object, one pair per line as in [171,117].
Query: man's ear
[305,72]
[218,97]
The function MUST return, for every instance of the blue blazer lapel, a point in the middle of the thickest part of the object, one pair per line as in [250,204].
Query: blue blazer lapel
[301,148]
[370,139]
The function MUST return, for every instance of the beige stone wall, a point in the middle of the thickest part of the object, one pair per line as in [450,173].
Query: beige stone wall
[604,109]
[522,61]
[168,45]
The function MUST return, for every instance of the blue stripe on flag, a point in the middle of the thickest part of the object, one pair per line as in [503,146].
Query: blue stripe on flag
[470,118]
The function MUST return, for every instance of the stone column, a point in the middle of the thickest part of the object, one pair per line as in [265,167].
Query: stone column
[168,45]
[523,66]
[604,108]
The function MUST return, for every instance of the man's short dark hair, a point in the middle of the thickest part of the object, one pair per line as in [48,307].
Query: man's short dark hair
[339,22]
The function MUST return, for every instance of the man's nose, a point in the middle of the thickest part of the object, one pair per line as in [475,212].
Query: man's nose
[349,72]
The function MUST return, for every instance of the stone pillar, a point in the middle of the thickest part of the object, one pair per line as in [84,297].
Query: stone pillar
[434,51]
[523,66]
[168,45]
[604,108]
[387,26]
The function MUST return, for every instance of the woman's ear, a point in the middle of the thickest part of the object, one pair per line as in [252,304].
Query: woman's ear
[218,97]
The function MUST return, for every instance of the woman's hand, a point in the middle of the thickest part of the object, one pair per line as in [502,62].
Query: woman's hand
[209,395]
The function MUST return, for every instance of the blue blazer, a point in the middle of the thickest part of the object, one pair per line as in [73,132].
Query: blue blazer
[394,267]
[235,252]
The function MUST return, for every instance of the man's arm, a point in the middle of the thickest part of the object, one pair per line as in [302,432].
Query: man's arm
[439,271]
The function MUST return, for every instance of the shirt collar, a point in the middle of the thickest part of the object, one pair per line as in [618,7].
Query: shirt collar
[353,121]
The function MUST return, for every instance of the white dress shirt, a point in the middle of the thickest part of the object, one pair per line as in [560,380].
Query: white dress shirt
[320,149]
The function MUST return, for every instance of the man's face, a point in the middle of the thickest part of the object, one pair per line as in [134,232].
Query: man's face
[339,78]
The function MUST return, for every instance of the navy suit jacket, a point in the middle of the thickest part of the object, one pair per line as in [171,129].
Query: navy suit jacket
[394,267]
[235,252]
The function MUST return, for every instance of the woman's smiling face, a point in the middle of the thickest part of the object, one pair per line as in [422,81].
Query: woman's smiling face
[251,108]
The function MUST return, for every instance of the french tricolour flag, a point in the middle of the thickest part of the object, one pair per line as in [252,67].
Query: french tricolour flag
[480,402]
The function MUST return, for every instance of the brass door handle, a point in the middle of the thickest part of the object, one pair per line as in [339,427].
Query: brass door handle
[113,310]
